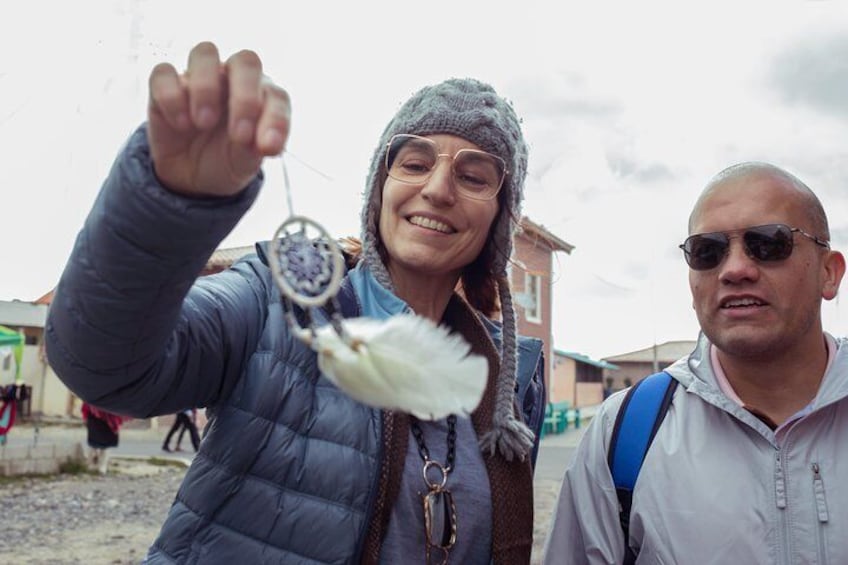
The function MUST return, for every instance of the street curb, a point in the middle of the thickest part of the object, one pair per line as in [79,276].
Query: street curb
[147,458]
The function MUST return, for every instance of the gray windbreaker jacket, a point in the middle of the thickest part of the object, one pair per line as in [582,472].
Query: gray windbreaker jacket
[716,487]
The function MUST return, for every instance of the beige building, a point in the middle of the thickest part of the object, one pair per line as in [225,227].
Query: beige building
[636,365]
[578,379]
[48,394]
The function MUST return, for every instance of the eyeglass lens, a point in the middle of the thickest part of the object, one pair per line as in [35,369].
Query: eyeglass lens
[772,242]
[413,159]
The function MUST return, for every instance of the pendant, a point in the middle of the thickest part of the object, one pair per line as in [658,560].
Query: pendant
[439,515]
[440,518]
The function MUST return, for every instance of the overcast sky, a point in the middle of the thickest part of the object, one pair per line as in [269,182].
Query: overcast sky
[629,108]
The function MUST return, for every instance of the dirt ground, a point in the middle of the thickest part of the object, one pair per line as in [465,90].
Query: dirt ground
[86,518]
[92,519]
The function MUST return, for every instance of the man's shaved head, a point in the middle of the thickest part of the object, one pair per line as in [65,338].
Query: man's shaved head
[812,205]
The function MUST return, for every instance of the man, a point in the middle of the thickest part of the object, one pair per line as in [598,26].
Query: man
[750,464]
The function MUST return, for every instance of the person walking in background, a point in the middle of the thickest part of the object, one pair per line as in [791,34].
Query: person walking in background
[192,429]
[103,432]
[749,464]
[184,421]
[292,469]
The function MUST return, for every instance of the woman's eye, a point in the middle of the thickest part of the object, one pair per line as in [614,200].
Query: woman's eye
[418,167]
[471,180]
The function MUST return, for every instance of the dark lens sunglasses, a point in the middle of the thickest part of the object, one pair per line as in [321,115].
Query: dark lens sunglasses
[771,242]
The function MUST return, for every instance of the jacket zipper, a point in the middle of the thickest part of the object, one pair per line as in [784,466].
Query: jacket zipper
[780,500]
[821,511]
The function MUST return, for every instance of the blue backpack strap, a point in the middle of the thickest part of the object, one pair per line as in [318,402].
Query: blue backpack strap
[642,411]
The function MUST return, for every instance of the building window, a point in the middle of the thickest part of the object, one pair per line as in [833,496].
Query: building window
[533,295]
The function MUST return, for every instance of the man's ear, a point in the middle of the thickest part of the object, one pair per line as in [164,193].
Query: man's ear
[834,269]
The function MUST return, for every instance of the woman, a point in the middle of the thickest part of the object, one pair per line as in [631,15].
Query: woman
[102,432]
[291,469]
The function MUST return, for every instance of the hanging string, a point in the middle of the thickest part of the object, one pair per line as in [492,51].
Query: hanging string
[287,185]
[287,181]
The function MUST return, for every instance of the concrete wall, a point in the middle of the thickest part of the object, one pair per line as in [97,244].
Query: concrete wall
[630,373]
[589,394]
[561,387]
[564,389]
[50,397]
[42,459]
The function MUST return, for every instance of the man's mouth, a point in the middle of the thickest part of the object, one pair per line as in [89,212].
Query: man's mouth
[742,303]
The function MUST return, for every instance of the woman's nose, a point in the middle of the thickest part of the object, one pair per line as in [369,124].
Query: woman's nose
[439,188]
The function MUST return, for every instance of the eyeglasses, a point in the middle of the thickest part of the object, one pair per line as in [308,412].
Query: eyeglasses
[411,159]
[771,242]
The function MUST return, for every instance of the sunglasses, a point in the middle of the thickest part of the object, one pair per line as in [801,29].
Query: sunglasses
[771,242]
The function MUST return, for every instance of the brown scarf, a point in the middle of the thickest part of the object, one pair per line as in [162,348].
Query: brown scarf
[511,482]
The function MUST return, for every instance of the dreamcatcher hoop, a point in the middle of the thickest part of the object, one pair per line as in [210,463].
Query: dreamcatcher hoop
[306,263]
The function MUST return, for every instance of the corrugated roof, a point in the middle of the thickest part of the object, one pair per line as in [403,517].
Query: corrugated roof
[585,359]
[666,352]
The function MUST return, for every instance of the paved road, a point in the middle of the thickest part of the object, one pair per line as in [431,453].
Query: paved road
[554,454]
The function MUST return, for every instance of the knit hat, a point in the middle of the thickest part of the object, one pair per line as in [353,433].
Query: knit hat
[472,110]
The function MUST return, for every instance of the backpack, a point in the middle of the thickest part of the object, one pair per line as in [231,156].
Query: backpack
[640,416]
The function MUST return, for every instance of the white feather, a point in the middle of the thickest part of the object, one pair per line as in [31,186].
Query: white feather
[404,363]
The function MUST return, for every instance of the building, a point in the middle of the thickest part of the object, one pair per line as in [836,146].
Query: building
[223,259]
[636,365]
[48,394]
[531,281]
[577,379]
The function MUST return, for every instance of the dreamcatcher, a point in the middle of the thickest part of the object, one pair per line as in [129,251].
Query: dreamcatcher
[405,362]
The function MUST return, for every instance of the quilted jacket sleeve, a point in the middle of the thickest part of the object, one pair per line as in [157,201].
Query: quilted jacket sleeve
[128,330]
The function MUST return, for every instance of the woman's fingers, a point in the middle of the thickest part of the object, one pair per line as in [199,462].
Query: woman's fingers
[211,126]
[244,72]
[168,99]
[259,111]
[206,89]
[272,131]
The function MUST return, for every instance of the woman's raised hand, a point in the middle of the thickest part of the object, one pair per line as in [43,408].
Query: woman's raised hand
[210,127]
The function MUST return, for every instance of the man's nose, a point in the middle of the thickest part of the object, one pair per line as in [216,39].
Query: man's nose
[737,264]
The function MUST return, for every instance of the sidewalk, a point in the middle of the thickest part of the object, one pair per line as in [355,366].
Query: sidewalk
[555,453]
[133,443]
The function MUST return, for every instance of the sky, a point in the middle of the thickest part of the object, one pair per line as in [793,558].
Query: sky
[628,108]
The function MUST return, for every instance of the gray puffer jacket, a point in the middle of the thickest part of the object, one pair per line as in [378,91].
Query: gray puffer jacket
[290,469]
